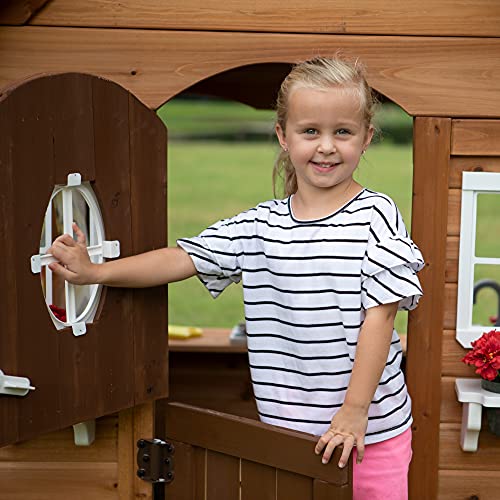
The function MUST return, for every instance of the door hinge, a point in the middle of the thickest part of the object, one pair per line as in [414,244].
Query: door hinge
[155,460]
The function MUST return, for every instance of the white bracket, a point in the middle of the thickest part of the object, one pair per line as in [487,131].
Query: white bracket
[14,386]
[84,433]
[473,397]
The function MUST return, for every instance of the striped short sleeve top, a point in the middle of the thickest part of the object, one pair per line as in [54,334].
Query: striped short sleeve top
[306,287]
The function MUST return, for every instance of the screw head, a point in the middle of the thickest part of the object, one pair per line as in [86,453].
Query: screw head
[141,443]
[145,457]
[141,473]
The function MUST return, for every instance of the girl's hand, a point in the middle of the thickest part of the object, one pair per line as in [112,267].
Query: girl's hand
[348,428]
[74,262]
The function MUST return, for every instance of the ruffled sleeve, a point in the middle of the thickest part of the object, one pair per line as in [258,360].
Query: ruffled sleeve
[215,255]
[390,264]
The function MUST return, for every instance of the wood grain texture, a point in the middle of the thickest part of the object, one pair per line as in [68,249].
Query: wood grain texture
[148,210]
[451,409]
[425,325]
[325,491]
[223,476]
[467,485]
[454,207]
[450,292]
[452,251]
[51,467]
[58,481]
[451,456]
[461,164]
[251,440]
[257,481]
[415,72]
[473,18]
[475,137]
[290,486]
[453,352]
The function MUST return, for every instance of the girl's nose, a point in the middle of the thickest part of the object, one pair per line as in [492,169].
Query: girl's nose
[326,145]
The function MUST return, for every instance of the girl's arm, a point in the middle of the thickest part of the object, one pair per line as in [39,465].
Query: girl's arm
[349,424]
[144,270]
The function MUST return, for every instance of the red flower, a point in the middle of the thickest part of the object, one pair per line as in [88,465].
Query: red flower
[485,355]
[58,312]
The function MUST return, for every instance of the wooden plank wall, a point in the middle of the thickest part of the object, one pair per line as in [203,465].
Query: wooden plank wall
[474,147]
[406,17]
[52,467]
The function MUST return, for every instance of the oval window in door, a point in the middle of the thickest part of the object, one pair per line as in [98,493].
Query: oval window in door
[72,305]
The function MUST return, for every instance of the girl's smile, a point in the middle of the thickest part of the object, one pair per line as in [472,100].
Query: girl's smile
[325,136]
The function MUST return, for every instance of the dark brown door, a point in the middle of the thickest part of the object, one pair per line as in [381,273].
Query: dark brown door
[52,126]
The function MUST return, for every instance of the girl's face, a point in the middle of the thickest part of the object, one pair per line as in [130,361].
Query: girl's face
[325,135]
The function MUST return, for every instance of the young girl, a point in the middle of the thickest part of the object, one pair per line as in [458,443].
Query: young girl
[324,271]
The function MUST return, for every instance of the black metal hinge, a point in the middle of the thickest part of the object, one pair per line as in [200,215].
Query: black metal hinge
[155,460]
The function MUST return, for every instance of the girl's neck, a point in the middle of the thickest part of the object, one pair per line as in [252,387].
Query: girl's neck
[319,204]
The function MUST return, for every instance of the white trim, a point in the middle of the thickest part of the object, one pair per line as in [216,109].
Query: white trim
[473,183]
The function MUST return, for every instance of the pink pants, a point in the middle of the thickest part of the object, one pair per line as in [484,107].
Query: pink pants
[383,473]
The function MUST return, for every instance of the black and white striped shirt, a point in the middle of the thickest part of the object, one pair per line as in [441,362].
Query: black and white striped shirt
[306,287]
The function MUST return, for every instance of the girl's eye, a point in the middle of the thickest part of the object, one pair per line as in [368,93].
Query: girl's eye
[343,131]
[310,131]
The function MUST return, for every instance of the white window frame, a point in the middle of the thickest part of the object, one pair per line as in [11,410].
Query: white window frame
[98,249]
[473,184]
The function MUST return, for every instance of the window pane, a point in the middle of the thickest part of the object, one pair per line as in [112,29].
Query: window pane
[485,311]
[488,225]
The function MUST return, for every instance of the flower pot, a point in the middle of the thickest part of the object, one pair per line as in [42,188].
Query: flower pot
[492,414]
[490,385]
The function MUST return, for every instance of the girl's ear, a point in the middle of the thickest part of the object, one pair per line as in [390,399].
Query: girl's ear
[369,136]
[281,136]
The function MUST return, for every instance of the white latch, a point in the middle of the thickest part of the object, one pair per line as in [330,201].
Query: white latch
[108,249]
[14,386]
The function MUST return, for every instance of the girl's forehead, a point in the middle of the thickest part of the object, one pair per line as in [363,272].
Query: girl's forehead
[338,101]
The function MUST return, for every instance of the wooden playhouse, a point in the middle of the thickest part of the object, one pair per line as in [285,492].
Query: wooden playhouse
[79,84]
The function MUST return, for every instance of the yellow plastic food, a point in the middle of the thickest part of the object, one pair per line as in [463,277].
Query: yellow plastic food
[183,332]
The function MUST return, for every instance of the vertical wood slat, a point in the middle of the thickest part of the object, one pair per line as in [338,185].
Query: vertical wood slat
[32,155]
[73,143]
[257,481]
[223,476]
[8,293]
[291,486]
[148,141]
[111,185]
[430,187]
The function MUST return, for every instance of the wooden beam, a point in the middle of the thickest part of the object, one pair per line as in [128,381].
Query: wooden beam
[406,17]
[416,73]
[475,137]
[431,147]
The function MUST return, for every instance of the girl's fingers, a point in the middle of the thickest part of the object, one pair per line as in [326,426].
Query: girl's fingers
[60,270]
[80,236]
[360,449]
[346,451]
[335,441]
[323,440]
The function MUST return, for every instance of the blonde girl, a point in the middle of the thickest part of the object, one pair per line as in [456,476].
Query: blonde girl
[324,271]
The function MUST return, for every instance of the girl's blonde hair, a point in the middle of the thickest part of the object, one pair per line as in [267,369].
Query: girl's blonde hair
[320,73]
